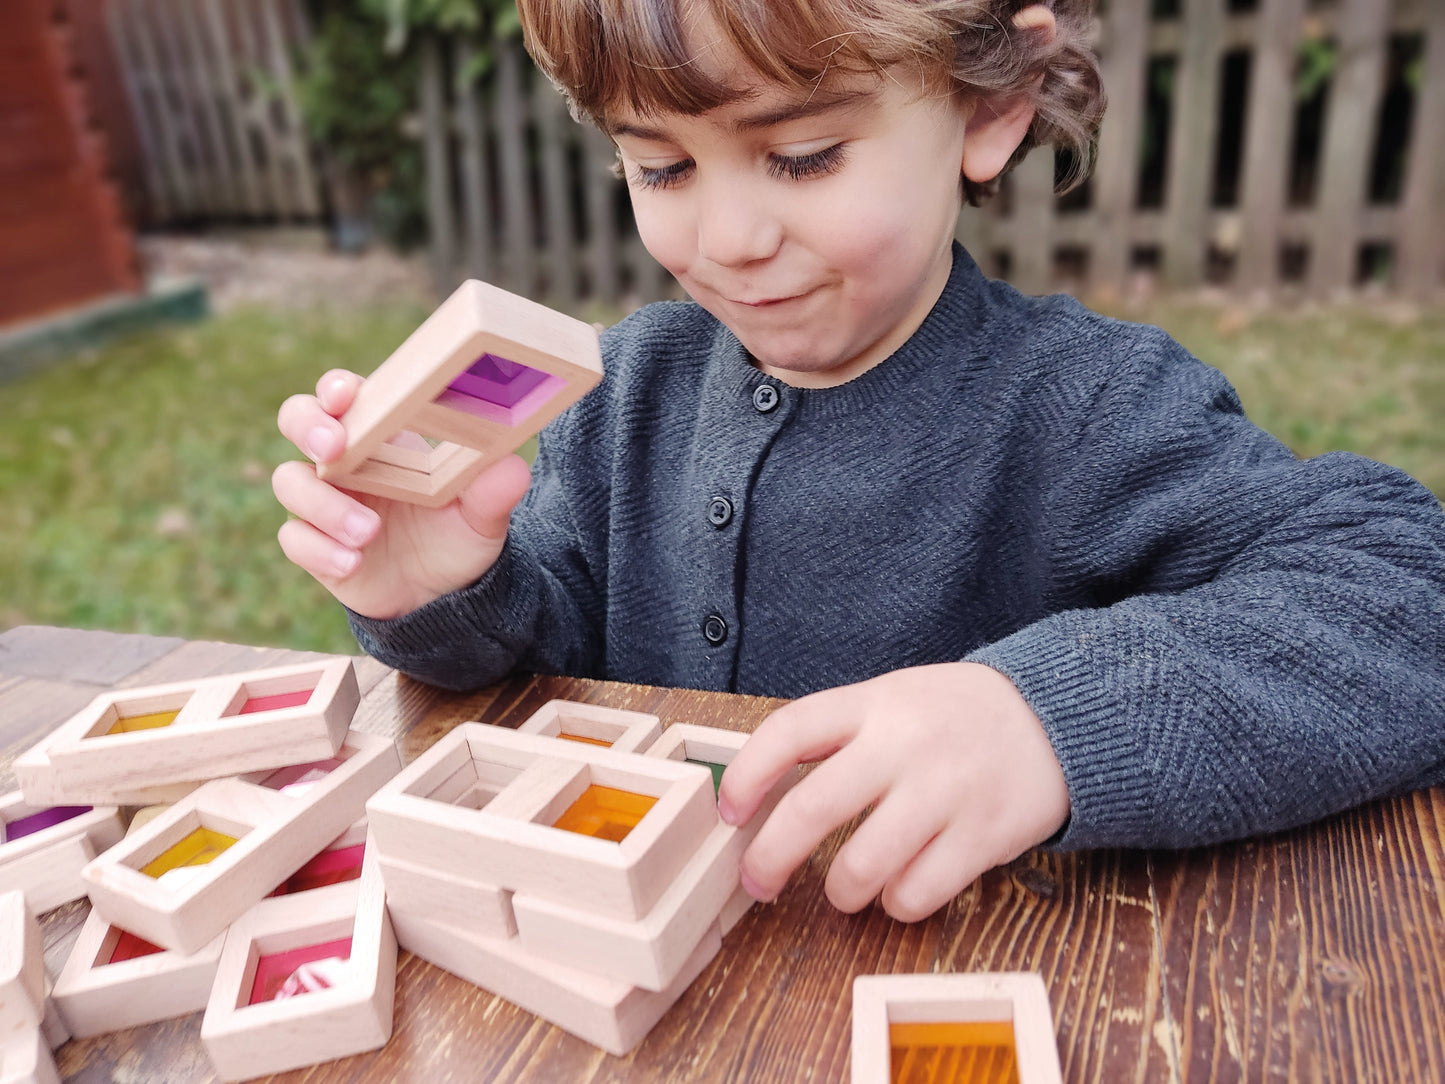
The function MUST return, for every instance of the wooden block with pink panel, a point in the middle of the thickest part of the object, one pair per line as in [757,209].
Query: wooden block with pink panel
[484,373]
[155,744]
[981,1028]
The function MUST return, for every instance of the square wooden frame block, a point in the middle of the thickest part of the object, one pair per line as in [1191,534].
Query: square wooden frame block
[208,738]
[1015,997]
[22,969]
[46,864]
[481,803]
[245,1040]
[26,1059]
[95,997]
[447,898]
[601,1011]
[422,388]
[275,835]
[614,728]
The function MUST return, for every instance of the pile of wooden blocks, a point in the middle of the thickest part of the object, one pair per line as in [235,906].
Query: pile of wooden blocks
[576,866]
[242,876]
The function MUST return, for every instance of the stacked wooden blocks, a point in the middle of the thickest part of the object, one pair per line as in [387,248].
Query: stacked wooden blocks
[576,867]
[266,786]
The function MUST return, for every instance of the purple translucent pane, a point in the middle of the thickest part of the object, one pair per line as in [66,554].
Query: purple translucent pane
[500,390]
[46,818]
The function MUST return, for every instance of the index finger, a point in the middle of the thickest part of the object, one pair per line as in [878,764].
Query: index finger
[802,732]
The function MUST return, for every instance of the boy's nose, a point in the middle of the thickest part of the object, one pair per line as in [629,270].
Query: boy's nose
[735,225]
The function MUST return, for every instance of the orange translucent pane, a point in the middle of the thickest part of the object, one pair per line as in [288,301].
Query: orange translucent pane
[953,1053]
[605,812]
[590,741]
[198,848]
[154,720]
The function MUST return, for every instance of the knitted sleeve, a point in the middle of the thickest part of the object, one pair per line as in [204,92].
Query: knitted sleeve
[1254,642]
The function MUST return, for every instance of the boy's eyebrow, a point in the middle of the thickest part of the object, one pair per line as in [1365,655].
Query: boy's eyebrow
[767,118]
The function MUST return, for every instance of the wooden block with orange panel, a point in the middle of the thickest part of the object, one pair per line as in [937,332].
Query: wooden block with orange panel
[138,746]
[197,866]
[611,728]
[484,373]
[981,1028]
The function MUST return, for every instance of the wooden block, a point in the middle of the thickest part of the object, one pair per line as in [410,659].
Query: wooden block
[511,834]
[991,1026]
[113,980]
[326,1010]
[274,834]
[46,847]
[604,1012]
[129,743]
[452,899]
[621,731]
[714,748]
[485,372]
[52,1026]
[25,1059]
[22,970]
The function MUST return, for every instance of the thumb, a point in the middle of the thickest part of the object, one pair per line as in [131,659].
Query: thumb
[487,503]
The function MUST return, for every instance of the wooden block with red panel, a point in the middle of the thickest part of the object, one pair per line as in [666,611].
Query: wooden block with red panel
[155,744]
[983,1028]
[45,847]
[304,978]
[484,373]
[187,874]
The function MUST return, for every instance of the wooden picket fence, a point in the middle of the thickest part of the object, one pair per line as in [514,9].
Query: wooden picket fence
[521,195]
[210,88]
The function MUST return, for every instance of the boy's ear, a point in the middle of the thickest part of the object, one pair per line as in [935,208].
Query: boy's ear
[998,126]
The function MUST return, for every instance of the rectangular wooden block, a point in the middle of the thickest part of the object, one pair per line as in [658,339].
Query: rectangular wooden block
[454,900]
[113,980]
[613,728]
[25,1059]
[483,803]
[481,375]
[923,1028]
[610,1014]
[209,881]
[22,969]
[46,847]
[125,745]
[327,1009]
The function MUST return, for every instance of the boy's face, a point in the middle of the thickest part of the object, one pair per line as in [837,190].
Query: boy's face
[818,228]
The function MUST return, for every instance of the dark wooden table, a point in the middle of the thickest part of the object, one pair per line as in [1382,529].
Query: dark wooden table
[1314,955]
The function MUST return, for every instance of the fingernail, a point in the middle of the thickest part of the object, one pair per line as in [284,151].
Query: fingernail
[319,442]
[751,888]
[358,527]
[345,562]
[726,811]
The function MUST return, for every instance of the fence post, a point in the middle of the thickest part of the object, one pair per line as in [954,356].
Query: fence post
[1124,59]
[476,180]
[1421,221]
[436,152]
[1191,144]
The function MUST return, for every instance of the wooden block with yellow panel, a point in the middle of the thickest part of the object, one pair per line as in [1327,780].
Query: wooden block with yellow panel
[137,746]
[183,877]
[979,1028]
[483,374]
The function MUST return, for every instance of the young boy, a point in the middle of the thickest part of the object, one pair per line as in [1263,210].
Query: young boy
[1030,572]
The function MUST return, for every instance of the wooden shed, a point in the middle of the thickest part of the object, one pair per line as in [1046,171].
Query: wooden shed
[64,240]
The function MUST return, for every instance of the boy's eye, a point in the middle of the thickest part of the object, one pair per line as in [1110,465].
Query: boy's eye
[802,166]
[663,176]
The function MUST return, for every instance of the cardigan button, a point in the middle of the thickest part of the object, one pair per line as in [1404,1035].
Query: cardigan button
[765,398]
[719,512]
[714,629]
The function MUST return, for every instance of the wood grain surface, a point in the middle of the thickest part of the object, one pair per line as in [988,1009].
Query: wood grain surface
[1313,955]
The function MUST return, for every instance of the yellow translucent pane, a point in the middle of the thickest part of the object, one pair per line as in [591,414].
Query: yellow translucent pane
[590,741]
[151,721]
[605,812]
[953,1053]
[196,849]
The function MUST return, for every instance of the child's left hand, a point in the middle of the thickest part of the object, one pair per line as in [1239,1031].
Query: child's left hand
[957,768]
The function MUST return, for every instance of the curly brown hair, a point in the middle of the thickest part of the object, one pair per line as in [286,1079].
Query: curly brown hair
[602,52]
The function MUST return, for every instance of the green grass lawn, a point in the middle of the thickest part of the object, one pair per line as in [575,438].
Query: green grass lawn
[136,479]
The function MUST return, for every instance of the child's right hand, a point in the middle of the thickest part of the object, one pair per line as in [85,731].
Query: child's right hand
[383,558]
